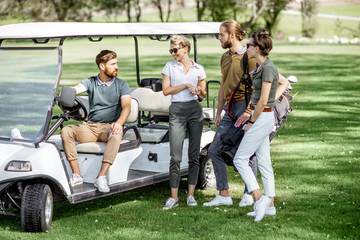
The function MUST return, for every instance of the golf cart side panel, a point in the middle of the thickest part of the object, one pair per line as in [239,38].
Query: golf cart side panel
[90,165]
[156,157]
[46,162]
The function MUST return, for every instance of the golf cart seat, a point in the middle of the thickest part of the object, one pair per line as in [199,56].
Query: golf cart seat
[157,104]
[154,83]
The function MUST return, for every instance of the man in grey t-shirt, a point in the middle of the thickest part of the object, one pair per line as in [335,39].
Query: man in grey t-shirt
[109,108]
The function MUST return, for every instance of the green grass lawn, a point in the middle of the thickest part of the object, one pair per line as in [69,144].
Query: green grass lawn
[345,10]
[316,157]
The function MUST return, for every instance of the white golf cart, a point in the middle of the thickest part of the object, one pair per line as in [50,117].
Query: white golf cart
[34,172]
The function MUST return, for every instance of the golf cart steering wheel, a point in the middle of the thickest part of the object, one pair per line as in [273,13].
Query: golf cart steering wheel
[77,112]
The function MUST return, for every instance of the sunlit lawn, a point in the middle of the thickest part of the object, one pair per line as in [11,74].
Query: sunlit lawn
[316,157]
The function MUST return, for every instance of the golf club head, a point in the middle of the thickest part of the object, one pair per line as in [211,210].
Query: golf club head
[292,79]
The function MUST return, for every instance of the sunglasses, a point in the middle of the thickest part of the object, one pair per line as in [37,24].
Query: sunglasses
[250,44]
[174,50]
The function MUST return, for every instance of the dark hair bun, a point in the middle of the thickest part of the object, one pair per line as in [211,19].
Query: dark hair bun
[263,33]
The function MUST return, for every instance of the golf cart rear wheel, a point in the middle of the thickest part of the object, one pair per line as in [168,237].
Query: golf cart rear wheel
[206,173]
[36,208]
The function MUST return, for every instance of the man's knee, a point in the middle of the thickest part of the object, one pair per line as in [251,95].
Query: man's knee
[115,138]
[67,132]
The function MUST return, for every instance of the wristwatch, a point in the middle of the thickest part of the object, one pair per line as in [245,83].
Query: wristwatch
[252,122]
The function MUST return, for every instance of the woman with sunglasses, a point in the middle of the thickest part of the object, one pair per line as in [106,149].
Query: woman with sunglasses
[267,86]
[184,80]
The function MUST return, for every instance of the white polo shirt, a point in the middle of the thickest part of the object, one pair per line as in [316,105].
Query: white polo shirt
[177,76]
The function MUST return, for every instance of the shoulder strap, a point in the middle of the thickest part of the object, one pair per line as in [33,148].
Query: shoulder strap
[245,61]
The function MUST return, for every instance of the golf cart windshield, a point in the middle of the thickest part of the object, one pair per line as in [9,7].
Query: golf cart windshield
[28,80]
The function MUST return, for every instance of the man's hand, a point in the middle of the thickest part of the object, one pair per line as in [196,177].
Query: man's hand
[247,127]
[217,121]
[242,119]
[117,128]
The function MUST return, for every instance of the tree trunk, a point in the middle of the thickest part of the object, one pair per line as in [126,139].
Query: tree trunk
[168,11]
[157,4]
[137,10]
[128,9]
[255,13]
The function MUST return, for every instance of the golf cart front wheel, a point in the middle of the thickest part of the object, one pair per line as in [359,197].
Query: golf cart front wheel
[36,208]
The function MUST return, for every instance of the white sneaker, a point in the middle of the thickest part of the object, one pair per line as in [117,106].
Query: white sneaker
[219,200]
[170,203]
[260,207]
[101,184]
[76,179]
[191,201]
[246,200]
[271,211]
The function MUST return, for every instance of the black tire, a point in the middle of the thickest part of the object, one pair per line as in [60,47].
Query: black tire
[206,174]
[36,208]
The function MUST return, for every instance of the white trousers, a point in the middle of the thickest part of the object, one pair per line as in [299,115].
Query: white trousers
[256,140]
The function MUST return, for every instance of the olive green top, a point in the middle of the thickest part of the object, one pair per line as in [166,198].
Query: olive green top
[267,72]
[232,71]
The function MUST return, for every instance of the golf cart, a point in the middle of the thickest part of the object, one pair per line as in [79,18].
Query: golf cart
[34,171]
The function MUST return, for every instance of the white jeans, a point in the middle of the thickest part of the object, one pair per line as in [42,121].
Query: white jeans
[256,140]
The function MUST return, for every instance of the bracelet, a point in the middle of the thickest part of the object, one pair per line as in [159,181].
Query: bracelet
[252,122]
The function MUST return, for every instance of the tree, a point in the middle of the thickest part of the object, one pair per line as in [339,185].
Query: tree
[257,8]
[48,10]
[116,7]
[201,6]
[137,8]
[221,10]
[159,5]
[308,11]
[272,13]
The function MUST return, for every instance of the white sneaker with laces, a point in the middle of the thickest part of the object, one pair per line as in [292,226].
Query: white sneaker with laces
[219,200]
[191,201]
[170,203]
[101,184]
[271,211]
[260,207]
[76,179]
[246,200]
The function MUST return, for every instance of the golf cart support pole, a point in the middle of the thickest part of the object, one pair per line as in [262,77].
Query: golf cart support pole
[195,47]
[137,60]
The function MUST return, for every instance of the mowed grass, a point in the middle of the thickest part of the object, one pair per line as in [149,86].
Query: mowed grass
[316,158]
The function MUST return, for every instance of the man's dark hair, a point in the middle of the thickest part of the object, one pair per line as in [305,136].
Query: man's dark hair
[104,56]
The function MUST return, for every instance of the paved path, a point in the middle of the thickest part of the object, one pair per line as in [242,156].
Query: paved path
[322,15]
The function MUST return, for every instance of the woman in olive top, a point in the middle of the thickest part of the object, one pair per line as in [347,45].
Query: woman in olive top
[266,88]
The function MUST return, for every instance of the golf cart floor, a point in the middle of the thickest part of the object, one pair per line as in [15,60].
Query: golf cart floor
[136,179]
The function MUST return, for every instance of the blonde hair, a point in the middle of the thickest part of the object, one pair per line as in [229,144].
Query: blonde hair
[233,26]
[181,40]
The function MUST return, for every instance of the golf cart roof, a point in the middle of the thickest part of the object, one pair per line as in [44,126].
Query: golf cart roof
[38,30]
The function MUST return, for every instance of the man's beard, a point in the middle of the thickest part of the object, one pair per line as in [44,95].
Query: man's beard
[227,44]
[110,74]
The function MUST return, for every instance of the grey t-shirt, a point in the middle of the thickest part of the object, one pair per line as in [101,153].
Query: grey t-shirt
[266,73]
[105,99]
